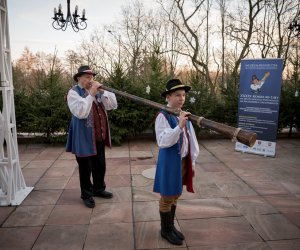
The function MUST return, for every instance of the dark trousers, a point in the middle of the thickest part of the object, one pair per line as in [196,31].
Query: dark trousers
[95,166]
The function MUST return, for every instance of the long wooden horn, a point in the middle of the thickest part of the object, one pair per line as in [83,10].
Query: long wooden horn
[235,134]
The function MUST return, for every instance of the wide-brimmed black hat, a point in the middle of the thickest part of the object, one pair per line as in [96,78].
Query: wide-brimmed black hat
[83,70]
[173,85]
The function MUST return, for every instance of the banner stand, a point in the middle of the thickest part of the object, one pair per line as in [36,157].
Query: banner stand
[259,100]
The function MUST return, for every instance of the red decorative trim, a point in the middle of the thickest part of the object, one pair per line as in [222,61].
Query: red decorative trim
[189,175]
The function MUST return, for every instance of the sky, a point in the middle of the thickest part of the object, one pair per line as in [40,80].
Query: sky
[30,23]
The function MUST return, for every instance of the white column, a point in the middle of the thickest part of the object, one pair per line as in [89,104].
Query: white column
[13,189]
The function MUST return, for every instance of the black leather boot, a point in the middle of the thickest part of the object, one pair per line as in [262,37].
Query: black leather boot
[176,232]
[167,230]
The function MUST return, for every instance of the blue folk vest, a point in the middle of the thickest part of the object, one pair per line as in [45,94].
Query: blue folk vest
[81,137]
[168,176]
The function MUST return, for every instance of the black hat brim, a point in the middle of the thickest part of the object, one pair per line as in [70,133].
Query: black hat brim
[186,88]
[82,73]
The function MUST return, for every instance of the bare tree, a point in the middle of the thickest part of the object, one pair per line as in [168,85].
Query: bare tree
[208,7]
[273,39]
[222,6]
[189,21]
[34,67]
[72,60]
[136,27]
[280,9]
[98,52]
[241,28]
[163,41]
[282,38]
[27,61]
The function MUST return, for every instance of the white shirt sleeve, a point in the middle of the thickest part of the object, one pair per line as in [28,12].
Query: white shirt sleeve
[257,86]
[79,106]
[109,100]
[165,135]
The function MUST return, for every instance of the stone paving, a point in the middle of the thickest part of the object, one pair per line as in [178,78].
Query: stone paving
[242,201]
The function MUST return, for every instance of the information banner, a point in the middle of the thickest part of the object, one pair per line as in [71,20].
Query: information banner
[259,99]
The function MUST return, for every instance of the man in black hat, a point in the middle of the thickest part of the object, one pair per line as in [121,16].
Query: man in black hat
[257,84]
[89,132]
[178,151]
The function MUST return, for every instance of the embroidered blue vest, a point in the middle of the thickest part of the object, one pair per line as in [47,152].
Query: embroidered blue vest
[81,137]
[168,176]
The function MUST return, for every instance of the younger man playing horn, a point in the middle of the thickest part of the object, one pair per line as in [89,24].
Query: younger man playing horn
[178,151]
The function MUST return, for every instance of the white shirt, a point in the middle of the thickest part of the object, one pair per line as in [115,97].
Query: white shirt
[167,137]
[81,106]
[255,87]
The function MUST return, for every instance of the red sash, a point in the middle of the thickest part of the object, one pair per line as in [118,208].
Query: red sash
[188,180]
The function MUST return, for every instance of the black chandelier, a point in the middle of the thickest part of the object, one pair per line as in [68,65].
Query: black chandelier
[74,20]
[295,25]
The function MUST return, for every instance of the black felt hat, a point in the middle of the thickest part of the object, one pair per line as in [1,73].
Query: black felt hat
[173,85]
[83,70]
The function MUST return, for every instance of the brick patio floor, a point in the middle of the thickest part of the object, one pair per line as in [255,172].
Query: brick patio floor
[242,201]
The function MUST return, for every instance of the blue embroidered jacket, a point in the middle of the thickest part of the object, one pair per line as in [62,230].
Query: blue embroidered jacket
[81,137]
[168,176]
